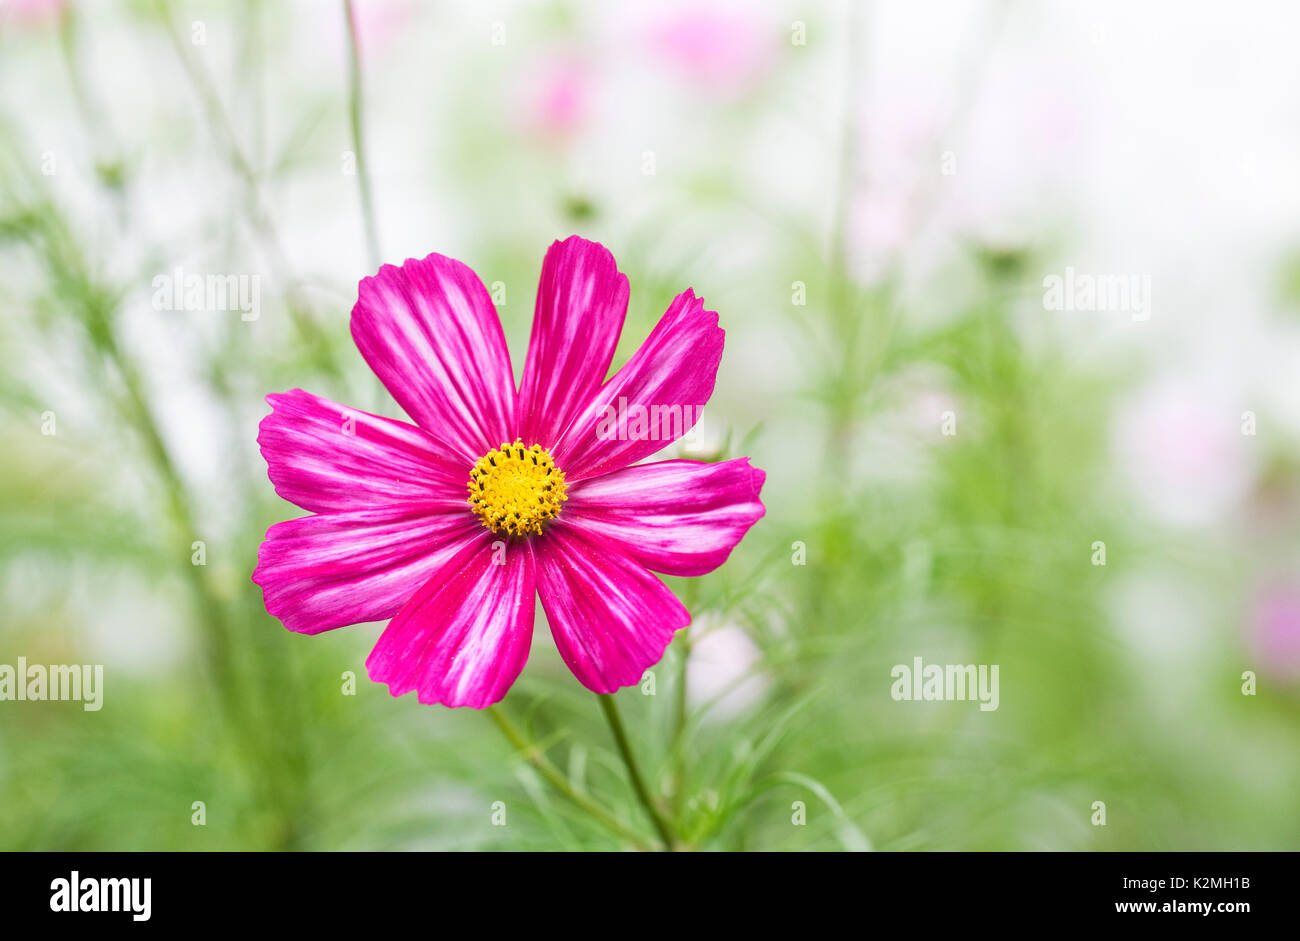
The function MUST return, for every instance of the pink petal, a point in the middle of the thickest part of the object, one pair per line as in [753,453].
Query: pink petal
[430,333]
[464,637]
[322,572]
[581,303]
[672,374]
[324,456]
[610,617]
[676,517]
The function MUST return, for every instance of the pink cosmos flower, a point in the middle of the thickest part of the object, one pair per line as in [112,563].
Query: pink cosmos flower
[450,525]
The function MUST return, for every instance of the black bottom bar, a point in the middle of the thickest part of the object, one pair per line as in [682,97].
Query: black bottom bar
[374,891]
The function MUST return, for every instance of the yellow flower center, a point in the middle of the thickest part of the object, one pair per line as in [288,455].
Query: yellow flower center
[514,490]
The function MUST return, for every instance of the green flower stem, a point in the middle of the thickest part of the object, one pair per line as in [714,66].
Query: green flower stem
[358,137]
[620,736]
[679,719]
[537,758]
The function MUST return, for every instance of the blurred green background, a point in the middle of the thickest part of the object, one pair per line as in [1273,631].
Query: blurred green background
[871,195]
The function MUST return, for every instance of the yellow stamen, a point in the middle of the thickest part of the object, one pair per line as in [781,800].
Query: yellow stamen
[514,490]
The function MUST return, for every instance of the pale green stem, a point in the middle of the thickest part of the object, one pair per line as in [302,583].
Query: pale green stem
[355,107]
[633,772]
[257,212]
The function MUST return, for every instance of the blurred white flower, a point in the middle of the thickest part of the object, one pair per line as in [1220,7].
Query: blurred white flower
[722,666]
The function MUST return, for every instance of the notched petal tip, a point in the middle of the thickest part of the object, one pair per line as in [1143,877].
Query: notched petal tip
[397,690]
[757,478]
[279,402]
[278,607]
[693,315]
[578,241]
[574,239]
[611,618]
[388,270]
[614,684]
[390,275]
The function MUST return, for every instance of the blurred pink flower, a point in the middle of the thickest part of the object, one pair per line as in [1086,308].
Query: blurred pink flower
[1023,147]
[1275,630]
[31,12]
[879,223]
[718,51]
[1179,445]
[554,97]
[927,171]
[897,159]
[378,24]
